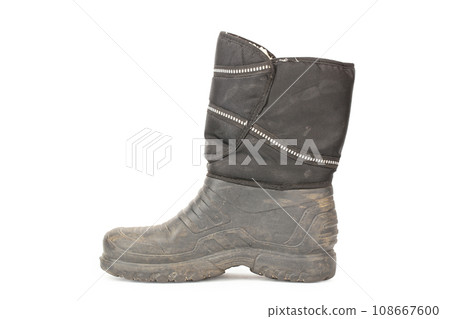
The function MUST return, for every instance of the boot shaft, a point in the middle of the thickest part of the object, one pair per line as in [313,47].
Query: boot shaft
[282,121]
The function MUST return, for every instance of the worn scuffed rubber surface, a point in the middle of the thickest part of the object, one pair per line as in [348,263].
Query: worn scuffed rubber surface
[229,225]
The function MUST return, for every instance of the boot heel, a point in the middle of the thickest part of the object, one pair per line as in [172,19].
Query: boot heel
[306,268]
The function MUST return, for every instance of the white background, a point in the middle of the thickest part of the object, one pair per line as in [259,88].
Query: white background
[70,97]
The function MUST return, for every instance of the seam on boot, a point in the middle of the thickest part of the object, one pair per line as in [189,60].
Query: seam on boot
[247,182]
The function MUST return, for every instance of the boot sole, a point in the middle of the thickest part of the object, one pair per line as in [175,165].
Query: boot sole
[306,268]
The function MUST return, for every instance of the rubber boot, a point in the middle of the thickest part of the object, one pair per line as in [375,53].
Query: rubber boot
[267,202]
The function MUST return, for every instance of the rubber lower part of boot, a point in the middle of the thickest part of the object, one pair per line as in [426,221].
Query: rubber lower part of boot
[286,235]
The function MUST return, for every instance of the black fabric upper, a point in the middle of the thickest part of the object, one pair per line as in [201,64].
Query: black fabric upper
[316,108]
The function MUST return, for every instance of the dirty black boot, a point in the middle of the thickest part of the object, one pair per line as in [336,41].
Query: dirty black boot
[279,125]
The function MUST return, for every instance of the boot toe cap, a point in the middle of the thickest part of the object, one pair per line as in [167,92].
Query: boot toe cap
[127,244]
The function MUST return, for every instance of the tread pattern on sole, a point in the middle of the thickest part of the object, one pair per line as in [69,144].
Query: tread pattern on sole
[310,268]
